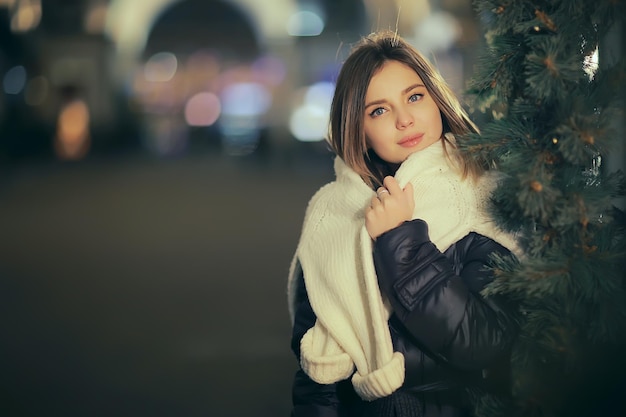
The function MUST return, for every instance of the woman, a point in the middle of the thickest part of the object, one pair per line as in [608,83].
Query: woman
[385,284]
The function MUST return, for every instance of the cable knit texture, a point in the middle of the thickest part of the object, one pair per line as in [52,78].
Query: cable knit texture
[335,254]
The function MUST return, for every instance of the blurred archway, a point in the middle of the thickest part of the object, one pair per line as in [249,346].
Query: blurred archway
[191,25]
[129,23]
[203,79]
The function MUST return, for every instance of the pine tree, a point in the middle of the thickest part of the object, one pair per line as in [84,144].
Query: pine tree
[549,119]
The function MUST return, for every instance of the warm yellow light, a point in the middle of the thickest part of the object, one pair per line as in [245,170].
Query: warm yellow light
[72,138]
[27,16]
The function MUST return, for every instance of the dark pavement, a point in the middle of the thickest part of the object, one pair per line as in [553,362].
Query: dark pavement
[137,286]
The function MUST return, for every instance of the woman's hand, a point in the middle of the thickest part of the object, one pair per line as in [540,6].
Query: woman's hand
[391,206]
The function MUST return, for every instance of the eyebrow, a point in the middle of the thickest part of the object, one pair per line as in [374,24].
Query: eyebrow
[406,90]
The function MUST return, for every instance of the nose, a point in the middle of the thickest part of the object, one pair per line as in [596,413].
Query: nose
[404,119]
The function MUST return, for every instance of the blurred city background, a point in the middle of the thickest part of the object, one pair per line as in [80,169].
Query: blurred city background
[156,158]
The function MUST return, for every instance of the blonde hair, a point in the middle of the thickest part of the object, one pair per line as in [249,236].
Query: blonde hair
[347,135]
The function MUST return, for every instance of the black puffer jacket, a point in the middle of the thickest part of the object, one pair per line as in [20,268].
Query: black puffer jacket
[452,337]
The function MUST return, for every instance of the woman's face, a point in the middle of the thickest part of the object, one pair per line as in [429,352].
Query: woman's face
[400,115]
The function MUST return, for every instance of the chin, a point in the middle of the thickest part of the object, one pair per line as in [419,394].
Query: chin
[411,152]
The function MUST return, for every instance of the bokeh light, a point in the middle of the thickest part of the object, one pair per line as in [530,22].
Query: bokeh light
[161,67]
[72,138]
[309,122]
[436,32]
[27,16]
[14,80]
[203,109]
[305,23]
[245,99]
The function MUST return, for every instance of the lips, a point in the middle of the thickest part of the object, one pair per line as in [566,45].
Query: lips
[410,141]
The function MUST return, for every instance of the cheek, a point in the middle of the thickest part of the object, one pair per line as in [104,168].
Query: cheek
[436,121]
[439,121]
[373,138]
[439,116]
[375,130]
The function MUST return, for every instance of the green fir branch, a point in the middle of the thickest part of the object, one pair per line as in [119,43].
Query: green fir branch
[552,118]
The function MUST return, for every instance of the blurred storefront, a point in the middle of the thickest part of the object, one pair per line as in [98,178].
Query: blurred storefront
[168,77]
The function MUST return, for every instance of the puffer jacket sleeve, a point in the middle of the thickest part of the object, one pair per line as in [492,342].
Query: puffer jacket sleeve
[439,304]
[309,398]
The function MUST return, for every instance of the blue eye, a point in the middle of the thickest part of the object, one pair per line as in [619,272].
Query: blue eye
[377,111]
[416,97]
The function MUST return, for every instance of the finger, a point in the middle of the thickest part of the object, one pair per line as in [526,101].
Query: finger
[392,185]
[381,191]
[408,189]
[375,203]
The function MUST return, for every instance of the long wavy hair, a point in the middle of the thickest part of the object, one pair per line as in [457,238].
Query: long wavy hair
[347,114]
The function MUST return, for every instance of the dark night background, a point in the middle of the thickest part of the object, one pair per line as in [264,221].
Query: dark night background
[156,158]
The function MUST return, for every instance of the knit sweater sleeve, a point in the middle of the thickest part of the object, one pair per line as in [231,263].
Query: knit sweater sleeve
[438,300]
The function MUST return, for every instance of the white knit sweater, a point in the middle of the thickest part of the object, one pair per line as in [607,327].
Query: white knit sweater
[335,254]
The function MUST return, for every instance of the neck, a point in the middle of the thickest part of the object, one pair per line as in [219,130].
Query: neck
[380,168]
